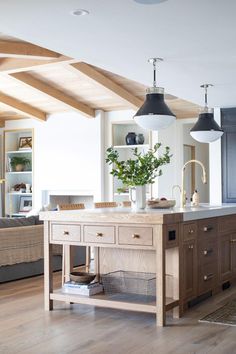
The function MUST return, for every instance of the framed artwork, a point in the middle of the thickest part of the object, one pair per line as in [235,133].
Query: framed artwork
[25,204]
[25,143]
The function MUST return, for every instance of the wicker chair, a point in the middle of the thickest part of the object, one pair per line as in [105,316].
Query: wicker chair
[105,205]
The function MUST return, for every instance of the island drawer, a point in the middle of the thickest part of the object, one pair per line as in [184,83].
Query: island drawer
[227,224]
[99,234]
[207,277]
[207,228]
[208,251]
[189,231]
[68,232]
[135,235]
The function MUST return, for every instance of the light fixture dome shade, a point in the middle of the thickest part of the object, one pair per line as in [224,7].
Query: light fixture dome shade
[154,113]
[206,130]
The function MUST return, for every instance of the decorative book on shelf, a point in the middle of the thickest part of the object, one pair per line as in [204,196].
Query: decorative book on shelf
[82,289]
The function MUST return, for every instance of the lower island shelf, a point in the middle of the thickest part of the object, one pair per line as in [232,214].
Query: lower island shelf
[103,300]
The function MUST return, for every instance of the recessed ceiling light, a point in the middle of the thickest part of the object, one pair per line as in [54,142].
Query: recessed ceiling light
[79,12]
[149,2]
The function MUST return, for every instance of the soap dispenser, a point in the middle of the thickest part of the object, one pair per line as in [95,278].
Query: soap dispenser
[195,198]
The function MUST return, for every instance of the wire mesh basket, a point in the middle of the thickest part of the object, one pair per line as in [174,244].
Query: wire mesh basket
[124,282]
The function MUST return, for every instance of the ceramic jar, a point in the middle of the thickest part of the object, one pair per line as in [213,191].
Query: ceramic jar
[139,139]
[137,196]
[130,138]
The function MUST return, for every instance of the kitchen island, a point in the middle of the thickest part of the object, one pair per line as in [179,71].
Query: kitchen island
[192,251]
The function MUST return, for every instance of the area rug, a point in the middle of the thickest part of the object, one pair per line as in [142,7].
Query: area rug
[225,315]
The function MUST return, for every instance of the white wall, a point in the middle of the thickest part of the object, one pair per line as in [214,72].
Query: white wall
[174,137]
[215,166]
[115,116]
[201,154]
[68,153]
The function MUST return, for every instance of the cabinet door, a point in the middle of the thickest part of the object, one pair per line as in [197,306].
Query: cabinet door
[228,154]
[225,257]
[233,253]
[190,269]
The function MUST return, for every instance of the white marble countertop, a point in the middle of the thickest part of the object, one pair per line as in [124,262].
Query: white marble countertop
[204,211]
[188,213]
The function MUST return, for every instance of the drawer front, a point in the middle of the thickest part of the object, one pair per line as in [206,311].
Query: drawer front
[207,228]
[189,231]
[227,224]
[140,236]
[99,234]
[65,232]
[208,251]
[207,277]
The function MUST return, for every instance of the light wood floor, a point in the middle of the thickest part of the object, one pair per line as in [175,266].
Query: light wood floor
[26,329]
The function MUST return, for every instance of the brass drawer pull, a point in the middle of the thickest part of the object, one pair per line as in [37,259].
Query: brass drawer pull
[136,236]
[207,228]
[99,234]
[190,231]
[66,233]
[233,240]
[208,276]
[206,252]
[191,247]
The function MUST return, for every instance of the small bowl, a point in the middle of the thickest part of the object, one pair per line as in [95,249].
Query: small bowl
[82,277]
[161,204]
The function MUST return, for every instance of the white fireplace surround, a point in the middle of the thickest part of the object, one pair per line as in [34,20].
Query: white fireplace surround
[55,197]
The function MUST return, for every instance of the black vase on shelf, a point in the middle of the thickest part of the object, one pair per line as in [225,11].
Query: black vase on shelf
[130,138]
[139,139]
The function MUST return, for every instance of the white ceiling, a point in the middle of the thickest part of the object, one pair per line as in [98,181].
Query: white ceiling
[196,38]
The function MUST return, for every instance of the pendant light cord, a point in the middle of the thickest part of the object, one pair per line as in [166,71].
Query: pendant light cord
[154,73]
[205,86]
[206,103]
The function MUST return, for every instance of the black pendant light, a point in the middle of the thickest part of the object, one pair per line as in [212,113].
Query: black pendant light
[154,113]
[206,130]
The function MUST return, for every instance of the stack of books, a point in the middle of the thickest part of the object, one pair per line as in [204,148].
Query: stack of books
[72,287]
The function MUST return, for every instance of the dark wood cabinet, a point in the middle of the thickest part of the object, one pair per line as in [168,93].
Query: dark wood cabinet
[225,257]
[190,269]
[228,122]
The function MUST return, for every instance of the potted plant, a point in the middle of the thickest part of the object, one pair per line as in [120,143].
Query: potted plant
[18,163]
[138,171]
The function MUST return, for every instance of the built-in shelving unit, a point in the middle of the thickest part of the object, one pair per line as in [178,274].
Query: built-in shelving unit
[18,202]
[119,133]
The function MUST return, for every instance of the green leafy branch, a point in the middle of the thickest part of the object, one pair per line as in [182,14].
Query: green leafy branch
[140,170]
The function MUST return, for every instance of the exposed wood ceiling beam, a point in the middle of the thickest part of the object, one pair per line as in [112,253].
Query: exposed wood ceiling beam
[12,65]
[55,93]
[25,49]
[22,107]
[107,83]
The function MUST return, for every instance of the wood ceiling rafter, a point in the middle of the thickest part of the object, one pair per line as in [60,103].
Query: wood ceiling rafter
[52,82]
[13,65]
[107,83]
[22,107]
[19,49]
[54,93]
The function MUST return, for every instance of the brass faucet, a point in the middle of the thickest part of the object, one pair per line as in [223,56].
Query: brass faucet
[183,192]
[173,188]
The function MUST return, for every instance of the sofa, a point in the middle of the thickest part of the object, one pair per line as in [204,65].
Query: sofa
[21,249]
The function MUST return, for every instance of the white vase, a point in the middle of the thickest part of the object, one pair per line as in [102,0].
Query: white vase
[137,196]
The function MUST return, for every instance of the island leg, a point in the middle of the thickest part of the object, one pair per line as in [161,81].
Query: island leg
[48,269]
[177,294]
[69,261]
[160,280]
